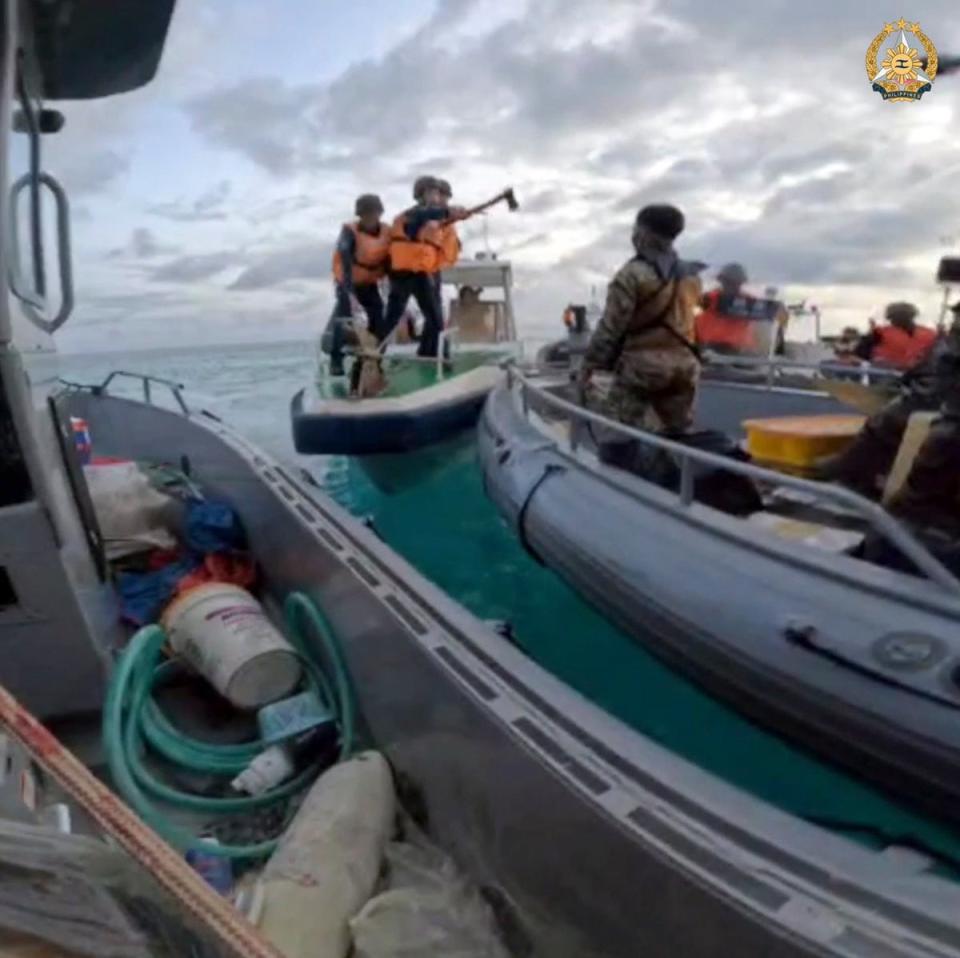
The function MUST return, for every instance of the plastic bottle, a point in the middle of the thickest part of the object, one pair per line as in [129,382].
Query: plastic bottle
[266,771]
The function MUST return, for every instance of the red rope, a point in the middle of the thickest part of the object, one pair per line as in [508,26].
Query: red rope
[116,819]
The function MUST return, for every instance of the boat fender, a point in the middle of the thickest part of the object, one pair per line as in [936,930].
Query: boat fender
[550,470]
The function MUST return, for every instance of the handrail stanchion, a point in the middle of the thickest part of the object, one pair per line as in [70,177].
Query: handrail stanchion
[686,481]
[878,518]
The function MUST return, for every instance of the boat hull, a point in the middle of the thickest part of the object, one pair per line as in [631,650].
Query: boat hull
[391,426]
[799,641]
[587,838]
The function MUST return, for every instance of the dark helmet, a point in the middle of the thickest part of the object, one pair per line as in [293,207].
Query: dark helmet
[445,188]
[662,220]
[901,312]
[423,183]
[733,273]
[368,203]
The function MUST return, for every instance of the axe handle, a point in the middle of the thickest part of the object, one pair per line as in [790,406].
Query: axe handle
[499,198]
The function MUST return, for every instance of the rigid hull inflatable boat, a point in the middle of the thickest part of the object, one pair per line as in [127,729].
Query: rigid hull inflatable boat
[588,838]
[854,659]
[426,402]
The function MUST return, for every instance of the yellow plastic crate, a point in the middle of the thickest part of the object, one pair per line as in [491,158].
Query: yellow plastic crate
[796,443]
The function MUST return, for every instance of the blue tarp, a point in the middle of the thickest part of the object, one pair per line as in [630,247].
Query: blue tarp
[211,527]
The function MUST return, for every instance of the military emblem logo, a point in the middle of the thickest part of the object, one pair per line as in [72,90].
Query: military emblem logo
[902,62]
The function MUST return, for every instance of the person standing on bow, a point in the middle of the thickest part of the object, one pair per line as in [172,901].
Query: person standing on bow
[422,240]
[645,335]
[359,264]
[723,324]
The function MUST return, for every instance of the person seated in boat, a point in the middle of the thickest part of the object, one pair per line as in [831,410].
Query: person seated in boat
[423,241]
[900,342]
[930,495]
[359,264]
[644,335]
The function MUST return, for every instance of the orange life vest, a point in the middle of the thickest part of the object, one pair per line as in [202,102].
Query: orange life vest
[369,257]
[900,349]
[436,247]
[714,328]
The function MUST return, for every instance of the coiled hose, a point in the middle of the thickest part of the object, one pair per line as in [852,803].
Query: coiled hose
[132,720]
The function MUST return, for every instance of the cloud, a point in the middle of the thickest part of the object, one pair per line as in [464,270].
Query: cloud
[303,261]
[262,118]
[195,267]
[208,206]
[88,173]
[796,168]
[143,244]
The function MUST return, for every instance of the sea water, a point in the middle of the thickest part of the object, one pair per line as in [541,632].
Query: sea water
[447,528]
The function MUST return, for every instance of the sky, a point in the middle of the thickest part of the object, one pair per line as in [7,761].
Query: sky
[205,204]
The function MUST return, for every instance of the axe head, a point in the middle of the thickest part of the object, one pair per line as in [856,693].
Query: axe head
[511,199]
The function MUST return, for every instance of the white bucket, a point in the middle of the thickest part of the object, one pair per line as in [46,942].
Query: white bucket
[221,630]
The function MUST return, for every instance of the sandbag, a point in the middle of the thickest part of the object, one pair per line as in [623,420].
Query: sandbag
[132,515]
[427,909]
[328,860]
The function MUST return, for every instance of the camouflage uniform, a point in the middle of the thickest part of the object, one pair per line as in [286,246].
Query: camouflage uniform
[931,493]
[653,371]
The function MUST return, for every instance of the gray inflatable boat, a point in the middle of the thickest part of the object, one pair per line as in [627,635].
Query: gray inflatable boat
[855,660]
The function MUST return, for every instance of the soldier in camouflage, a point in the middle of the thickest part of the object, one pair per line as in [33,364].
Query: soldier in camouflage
[930,497]
[645,337]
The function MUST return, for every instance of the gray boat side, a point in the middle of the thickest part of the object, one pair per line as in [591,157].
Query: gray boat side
[806,641]
[573,823]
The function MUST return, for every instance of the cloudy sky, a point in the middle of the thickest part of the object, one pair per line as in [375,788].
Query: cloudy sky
[205,204]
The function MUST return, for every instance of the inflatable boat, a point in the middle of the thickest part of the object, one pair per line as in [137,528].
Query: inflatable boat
[769,611]
[427,403]
[586,838]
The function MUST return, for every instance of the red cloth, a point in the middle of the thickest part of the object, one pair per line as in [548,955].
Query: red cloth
[220,567]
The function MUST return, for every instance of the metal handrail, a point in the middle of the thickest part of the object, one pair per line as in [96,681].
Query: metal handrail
[175,388]
[777,363]
[35,303]
[879,519]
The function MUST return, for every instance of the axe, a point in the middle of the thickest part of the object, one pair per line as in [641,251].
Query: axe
[507,196]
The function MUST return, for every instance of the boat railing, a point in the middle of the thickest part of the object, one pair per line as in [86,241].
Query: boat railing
[879,520]
[147,382]
[773,365]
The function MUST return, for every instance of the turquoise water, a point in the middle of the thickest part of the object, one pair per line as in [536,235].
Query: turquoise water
[448,530]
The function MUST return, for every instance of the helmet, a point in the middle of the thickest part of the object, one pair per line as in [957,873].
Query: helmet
[423,183]
[661,219]
[733,273]
[368,203]
[901,312]
[445,188]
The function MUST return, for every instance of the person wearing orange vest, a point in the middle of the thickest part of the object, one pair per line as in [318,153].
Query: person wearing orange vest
[722,324]
[900,343]
[359,264]
[423,242]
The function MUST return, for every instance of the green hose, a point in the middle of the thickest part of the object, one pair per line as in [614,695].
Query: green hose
[132,722]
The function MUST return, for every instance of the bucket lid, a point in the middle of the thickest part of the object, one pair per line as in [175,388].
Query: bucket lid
[264,679]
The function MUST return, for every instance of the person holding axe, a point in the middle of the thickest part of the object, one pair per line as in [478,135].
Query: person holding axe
[418,239]
[423,242]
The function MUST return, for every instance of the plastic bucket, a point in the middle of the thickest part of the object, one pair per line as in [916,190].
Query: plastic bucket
[222,631]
